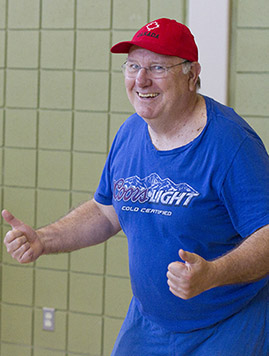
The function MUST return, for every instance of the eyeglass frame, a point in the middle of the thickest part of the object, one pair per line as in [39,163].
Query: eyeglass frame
[166,68]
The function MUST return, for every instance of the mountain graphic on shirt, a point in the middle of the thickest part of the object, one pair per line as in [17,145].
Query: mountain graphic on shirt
[155,183]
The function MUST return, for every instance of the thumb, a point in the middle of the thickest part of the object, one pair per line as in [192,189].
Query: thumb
[189,257]
[17,224]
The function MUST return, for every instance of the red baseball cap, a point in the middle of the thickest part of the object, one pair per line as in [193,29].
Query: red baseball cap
[163,36]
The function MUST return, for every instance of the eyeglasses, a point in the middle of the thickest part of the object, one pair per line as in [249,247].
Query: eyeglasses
[156,71]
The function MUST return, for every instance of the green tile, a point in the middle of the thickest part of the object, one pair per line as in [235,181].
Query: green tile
[2,85]
[51,205]
[2,47]
[46,352]
[11,350]
[175,10]
[90,132]
[89,260]
[119,99]
[20,128]
[111,330]
[57,48]
[253,13]
[93,14]
[51,289]
[252,60]
[17,285]
[23,14]
[58,13]
[59,261]
[117,257]
[21,202]
[1,126]
[116,120]
[22,49]
[133,16]
[254,87]
[19,320]
[55,130]
[2,13]
[54,169]
[20,167]
[91,91]
[56,89]
[84,334]
[118,36]
[22,88]
[118,295]
[54,339]
[87,169]
[93,50]
[86,293]
[261,126]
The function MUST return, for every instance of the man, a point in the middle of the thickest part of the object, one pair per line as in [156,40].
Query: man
[187,181]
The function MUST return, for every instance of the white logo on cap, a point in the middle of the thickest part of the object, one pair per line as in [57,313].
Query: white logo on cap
[151,26]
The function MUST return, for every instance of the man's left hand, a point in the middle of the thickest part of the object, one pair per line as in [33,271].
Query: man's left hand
[186,280]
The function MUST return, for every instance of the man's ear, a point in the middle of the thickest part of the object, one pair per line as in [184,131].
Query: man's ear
[194,75]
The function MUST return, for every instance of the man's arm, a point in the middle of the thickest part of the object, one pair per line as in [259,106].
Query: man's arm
[89,224]
[248,262]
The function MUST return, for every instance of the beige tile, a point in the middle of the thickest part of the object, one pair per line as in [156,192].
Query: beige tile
[51,289]
[20,167]
[21,202]
[1,127]
[55,130]
[23,49]
[56,89]
[93,14]
[11,350]
[90,132]
[51,205]
[2,13]
[22,88]
[89,260]
[119,99]
[174,10]
[54,169]
[59,261]
[87,169]
[23,14]
[93,50]
[111,330]
[253,13]
[2,46]
[57,49]
[116,120]
[86,293]
[20,128]
[58,14]
[19,320]
[84,334]
[17,285]
[46,352]
[91,91]
[2,86]
[261,126]
[118,295]
[133,16]
[117,257]
[55,339]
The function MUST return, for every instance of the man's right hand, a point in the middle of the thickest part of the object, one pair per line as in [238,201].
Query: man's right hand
[22,242]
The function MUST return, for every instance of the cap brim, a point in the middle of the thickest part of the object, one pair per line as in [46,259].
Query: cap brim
[121,47]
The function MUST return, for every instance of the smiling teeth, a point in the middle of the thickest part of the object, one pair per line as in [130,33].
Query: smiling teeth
[147,95]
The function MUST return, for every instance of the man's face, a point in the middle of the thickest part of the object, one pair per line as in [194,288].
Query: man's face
[156,98]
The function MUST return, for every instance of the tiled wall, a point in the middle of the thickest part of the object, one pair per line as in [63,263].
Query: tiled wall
[61,101]
[249,77]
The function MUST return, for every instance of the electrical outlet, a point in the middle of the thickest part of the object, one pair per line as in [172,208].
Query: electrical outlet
[48,319]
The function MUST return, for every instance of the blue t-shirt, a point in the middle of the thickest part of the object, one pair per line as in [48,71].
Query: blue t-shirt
[204,197]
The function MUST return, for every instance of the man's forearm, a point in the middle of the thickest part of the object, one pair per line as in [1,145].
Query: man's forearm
[247,263]
[87,225]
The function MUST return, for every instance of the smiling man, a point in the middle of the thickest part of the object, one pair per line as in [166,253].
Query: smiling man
[186,179]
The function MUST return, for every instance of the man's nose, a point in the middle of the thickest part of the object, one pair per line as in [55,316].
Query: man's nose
[143,77]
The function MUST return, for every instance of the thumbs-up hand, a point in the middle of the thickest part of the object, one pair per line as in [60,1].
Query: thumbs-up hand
[186,280]
[22,242]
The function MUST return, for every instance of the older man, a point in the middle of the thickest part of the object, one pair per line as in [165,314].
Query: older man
[187,181]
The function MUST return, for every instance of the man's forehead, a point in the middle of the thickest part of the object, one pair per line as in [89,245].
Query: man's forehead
[137,52]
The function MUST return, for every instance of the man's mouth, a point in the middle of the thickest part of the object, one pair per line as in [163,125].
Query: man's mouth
[147,95]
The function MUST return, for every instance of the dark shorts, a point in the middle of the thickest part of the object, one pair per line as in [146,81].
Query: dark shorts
[243,334]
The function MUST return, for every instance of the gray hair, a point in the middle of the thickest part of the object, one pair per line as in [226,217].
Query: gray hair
[186,67]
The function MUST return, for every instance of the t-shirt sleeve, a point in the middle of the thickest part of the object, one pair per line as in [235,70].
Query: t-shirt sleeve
[245,190]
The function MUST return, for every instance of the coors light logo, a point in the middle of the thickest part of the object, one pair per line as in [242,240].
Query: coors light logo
[153,189]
